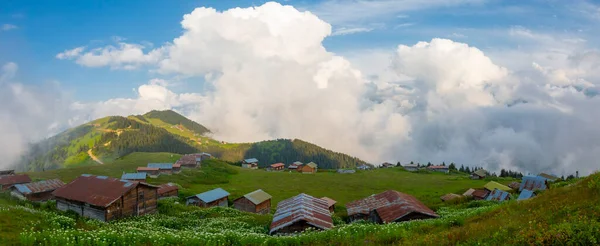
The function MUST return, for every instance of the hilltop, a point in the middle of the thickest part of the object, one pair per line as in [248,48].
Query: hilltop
[108,138]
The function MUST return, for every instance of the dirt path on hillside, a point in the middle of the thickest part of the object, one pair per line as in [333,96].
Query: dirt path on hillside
[94,157]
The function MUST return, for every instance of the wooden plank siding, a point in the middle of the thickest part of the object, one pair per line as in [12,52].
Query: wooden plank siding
[223,202]
[243,204]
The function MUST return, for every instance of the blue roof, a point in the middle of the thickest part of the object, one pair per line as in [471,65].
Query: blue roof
[134,176]
[498,195]
[525,194]
[161,165]
[22,188]
[212,195]
[533,183]
[251,160]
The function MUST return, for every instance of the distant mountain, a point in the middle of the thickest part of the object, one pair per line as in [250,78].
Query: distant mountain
[165,131]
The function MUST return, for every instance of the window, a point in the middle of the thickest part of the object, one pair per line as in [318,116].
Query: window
[141,195]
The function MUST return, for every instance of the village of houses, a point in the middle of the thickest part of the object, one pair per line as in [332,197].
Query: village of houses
[107,198]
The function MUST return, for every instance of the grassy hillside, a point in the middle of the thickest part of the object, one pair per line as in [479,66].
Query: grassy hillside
[568,215]
[164,131]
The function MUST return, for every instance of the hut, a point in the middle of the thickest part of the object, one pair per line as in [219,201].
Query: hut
[330,203]
[141,177]
[411,167]
[212,198]
[176,168]
[389,206]
[498,195]
[299,213]
[311,167]
[480,194]
[533,183]
[277,167]
[150,171]
[106,199]
[514,185]
[251,163]
[387,165]
[450,196]
[7,182]
[442,169]
[490,186]
[168,190]
[7,172]
[163,168]
[293,167]
[36,191]
[258,202]
[526,194]
[479,174]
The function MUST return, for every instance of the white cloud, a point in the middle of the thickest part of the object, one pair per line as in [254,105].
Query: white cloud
[68,54]
[8,27]
[125,56]
[457,35]
[404,25]
[347,31]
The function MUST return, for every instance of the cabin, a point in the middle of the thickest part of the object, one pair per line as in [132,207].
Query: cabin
[411,167]
[176,168]
[150,172]
[168,190]
[299,213]
[7,182]
[311,167]
[441,169]
[251,163]
[479,174]
[293,167]
[526,194]
[141,177]
[212,198]
[277,167]
[449,197]
[193,160]
[533,183]
[258,202]
[490,186]
[549,177]
[480,194]
[163,168]
[7,172]
[389,206]
[37,191]
[498,195]
[330,203]
[106,199]
[387,165]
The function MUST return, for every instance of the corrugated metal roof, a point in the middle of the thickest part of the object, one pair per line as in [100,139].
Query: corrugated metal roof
[533,183]
[191,159]
[251,160]
[312,164]
[168,187]
[96,190]
[480,193]
[495,185]
[330,202]
[450,196]
[525,194]
[176,165]
[14,179]
[548,176]
[498,195]
[161,165]
[480,173]
[514,185]
[258,196]
[134,176]
[469,192]
[147,169]
[277,165]
[298,163]
[7,172]
[212,195]
[40,186]
[391,205]
[313,211]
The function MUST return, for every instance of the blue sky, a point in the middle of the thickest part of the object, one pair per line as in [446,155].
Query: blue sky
[38,30]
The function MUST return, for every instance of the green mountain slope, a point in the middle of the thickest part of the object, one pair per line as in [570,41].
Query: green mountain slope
[165,131]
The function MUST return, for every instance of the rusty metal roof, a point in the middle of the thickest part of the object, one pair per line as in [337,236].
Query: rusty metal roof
[40,186]
[514,185]
[330,202]
[7,172]
[391,205]
[147,169]
[176,165]
[480,193]
[278,165]
[168,187]
[14,179]
[96,190]
[498,195]
[533,183]
[313,211]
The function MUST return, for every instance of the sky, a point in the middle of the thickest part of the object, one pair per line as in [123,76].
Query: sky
[498,84]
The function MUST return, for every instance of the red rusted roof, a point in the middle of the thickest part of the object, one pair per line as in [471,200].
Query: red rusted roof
[391,206]
[14,179]
[168,187]
[480,193]
[278,165]
[313,211]
[147,169]
[176,165]
[40,186]
[96,190]
[330,202]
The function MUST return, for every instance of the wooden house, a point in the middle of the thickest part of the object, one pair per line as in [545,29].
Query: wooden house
[277,167]
[176,168]
[106,199]
[151,172]
[7,182]
[212,198]
[299,213]
[442,169]
[164,168]
[36,191]
[480,194]
[498,195]
[141,177]
[193,160]
[389,206]
[311,167]
[257,201]
[251,163]
[7,172]
[479,174]
[387,165]
[168,190]
[330,203]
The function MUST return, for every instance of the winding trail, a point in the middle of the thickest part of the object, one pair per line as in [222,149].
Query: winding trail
[94,157]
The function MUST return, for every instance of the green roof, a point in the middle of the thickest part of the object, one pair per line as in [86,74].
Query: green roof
[258,196]
[495,185]
[480,172]
[312,165]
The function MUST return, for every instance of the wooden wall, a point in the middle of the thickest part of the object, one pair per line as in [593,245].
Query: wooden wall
[173,193]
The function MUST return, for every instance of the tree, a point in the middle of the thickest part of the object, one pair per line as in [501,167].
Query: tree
[428,164]
[443,164]
[452,167]
[462,169]
[467,170]
[412,163]
[398,164]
